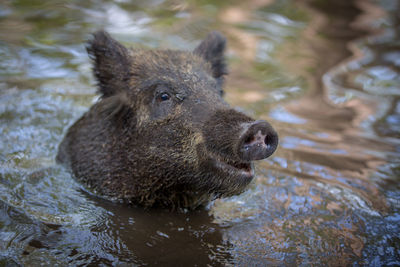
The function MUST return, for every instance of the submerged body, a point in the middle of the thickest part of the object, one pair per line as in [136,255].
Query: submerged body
[161,134]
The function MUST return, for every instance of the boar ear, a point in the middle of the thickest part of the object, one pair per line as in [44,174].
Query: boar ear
[212,49]
[111,63]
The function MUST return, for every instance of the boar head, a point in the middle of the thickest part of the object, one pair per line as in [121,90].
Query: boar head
[161,133]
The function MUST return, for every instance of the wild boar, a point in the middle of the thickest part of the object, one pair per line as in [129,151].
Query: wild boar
[161,133]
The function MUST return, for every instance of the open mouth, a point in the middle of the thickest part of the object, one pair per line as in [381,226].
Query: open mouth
[241,168]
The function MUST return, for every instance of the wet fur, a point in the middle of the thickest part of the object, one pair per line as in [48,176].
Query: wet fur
[128,146]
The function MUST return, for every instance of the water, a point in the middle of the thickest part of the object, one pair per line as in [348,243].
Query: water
[325,74]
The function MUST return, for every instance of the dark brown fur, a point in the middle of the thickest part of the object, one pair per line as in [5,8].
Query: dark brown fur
[135,146]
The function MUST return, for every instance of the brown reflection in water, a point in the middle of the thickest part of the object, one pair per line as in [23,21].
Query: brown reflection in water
[13,28]
[244,44]
[340,123]
[328,43]
[161,238]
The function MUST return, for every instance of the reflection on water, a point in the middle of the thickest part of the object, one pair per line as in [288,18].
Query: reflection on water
[325,73]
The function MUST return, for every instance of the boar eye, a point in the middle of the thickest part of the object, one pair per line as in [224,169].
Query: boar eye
[164,96]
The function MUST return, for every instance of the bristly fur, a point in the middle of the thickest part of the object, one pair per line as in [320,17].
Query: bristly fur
[160,129]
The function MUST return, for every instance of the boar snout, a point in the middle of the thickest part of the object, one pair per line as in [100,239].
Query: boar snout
[258,141]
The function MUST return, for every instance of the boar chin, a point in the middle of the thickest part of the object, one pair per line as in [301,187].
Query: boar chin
[228,177]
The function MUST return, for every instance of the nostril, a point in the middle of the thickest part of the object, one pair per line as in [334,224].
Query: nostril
[249,139]
[259,141]
[269,140]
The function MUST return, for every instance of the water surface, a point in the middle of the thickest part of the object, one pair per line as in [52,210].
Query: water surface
[326,74]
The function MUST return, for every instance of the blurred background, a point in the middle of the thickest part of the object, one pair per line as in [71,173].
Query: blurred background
[326,74]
